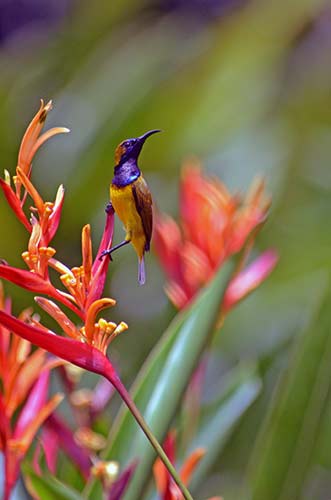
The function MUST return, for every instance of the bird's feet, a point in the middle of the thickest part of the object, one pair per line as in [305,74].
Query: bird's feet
[109,208]
[106,252]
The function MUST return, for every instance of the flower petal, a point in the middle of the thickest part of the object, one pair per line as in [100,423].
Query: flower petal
[34,283]
[249,279]
[119,486]
[92,312]
[15,204]
[49,442]
[23,442]
[65,438]
[101,395]
[167,240]
[190,464]
[75,352]
[24,179]
[100,266]
[54,218]
[33,405]
[87,254]
[19,386]
[31,135]
[43,138]
[58,315]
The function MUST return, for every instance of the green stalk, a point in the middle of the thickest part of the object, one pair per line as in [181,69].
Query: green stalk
[117,383]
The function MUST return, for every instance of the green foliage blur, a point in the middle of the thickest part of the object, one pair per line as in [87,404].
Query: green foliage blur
[246,87]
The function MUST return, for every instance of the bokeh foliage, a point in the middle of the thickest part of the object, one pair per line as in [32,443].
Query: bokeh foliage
[246,87]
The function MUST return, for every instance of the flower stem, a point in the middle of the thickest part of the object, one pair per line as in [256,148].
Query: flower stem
[117,383]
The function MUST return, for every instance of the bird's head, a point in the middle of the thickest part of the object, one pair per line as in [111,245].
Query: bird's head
[130,148]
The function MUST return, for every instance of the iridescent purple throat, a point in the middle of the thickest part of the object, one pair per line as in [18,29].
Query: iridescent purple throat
[125,173]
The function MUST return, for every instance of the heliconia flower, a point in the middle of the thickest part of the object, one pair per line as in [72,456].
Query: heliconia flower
[24,380]
[214,225]
[166,488]
[49,213]
[34,412]
[85,283]
[91,358]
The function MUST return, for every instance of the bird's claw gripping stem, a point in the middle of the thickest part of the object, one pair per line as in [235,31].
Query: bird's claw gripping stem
[109,208]
[111,250]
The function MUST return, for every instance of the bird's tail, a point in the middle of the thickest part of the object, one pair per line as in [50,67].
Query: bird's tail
[141,271]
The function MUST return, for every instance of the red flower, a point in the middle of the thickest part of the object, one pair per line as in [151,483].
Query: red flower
[214,226]
[24,379]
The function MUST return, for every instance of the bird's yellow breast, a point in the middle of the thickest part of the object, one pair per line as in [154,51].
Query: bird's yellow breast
[124,205]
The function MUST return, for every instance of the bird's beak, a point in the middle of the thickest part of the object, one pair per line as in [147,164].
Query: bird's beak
[143,137]
[140,142]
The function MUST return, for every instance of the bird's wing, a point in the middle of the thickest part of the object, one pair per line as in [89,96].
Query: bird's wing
[143,200]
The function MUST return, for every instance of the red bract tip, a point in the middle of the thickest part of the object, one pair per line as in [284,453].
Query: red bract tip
[34,283]
[75,352]
[100,266]
[249,279]
[15,204]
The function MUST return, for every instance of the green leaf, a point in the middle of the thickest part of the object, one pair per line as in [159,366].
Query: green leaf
[49,488]
[287,440]
[174,356]
[187,345]
[241,391]
[125,426]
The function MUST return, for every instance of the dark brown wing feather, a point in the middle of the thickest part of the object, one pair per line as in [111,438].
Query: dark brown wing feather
[143,200]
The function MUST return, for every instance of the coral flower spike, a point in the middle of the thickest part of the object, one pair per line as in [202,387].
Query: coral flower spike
[214,225]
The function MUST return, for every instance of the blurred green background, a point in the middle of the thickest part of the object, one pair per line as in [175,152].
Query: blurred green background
[245,86]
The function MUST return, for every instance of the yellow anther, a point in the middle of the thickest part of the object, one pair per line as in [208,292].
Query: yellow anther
[121,327]
[48,251]
[81,398]
[106,471]
[89,439]
[110,327]
[7,177]
[78,272]
[102,323]
[68,280]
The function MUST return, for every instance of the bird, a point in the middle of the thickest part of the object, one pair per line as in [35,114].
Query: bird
[131,199]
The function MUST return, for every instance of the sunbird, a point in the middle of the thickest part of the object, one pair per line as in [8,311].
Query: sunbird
[131,199]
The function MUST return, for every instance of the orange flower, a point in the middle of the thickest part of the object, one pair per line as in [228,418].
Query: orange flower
[214,226]
[49,213]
